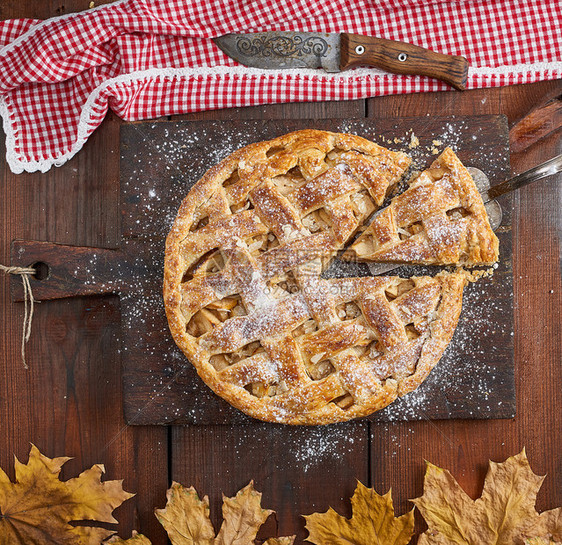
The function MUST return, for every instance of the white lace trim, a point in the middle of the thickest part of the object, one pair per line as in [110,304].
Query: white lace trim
[86,123]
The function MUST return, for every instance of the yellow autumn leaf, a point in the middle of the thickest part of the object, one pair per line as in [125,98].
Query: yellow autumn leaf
[186,518]
[38,506]
[550,524]
[135,539]
[372,522]
[504,514]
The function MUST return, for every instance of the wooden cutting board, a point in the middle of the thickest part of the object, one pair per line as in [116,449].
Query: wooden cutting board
[160,161]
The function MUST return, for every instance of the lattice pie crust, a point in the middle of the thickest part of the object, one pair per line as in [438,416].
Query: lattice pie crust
[439,220]
[246,302]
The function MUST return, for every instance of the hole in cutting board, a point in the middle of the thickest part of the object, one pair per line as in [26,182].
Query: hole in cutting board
[42,270]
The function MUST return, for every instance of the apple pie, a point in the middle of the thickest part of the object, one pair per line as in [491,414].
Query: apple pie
[439,220]
[245,297]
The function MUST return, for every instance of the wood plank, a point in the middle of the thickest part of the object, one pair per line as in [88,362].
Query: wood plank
[444,103]
[69,402]
[514,101]
[298,469]
[34,9]
[398,450]
[350,109]
[538,297]
[161,160]
[538,124]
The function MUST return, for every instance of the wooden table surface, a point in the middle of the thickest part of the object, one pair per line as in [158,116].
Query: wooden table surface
[69,402]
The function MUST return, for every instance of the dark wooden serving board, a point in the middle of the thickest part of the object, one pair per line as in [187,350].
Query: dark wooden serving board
[160,161]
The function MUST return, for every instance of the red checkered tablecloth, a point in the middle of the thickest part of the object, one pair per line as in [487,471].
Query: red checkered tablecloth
[148,58]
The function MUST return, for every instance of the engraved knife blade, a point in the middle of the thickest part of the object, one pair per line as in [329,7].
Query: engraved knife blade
[281,50]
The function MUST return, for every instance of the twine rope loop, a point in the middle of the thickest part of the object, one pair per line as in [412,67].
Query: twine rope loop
[25,273]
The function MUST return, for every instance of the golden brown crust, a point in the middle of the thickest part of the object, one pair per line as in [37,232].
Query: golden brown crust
[439,220]
[246,303]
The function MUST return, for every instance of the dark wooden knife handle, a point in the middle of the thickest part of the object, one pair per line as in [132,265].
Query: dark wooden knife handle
[402,58]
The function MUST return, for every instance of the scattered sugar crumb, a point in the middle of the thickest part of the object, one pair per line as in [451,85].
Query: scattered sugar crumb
[414,141]
[473,275]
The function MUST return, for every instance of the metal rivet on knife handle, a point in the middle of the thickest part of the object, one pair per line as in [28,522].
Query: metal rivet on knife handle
[389,55]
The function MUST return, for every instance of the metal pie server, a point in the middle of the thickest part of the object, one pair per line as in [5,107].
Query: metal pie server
[489,194]
[337,52]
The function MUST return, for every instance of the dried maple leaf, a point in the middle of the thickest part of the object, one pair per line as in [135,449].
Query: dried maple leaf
[135,539]
[186,518]
[372,522]
[38,507]
[504,515]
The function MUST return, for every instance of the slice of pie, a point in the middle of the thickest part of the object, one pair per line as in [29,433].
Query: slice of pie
[246,302]
[439,220]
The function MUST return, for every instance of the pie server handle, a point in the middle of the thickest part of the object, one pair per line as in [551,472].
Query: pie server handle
[402,58]
[548,168]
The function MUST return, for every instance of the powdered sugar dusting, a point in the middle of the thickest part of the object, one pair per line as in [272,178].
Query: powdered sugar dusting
[158,174]
[302,448]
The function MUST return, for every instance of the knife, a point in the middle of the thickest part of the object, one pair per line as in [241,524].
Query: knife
[337,52]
